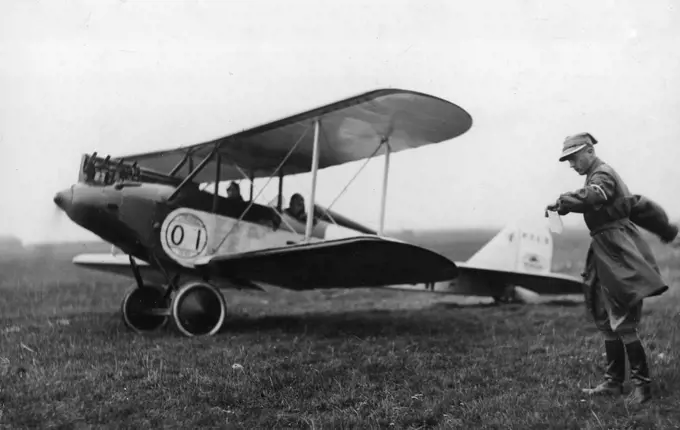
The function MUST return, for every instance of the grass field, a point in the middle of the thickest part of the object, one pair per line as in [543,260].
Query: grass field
[334,359]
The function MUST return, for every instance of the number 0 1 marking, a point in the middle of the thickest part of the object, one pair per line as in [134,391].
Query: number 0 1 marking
[186,236]
[177,236]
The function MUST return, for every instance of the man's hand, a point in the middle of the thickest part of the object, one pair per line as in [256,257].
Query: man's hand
[553,208]
[556,207]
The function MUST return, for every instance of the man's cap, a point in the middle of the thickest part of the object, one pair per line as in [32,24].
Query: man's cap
[575,143]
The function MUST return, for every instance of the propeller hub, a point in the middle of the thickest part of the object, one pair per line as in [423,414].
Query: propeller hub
[63,199]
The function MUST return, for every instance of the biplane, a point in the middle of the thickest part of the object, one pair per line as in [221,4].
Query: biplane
[183,243]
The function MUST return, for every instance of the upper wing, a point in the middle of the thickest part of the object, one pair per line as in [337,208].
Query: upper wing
[552,283]
[351,130]
[365,261]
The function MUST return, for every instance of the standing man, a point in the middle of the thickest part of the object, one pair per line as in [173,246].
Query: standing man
[620,270]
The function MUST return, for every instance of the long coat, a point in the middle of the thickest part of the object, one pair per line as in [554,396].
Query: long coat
[619,258]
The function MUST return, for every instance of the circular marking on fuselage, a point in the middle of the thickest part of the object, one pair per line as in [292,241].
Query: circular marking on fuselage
[186,235]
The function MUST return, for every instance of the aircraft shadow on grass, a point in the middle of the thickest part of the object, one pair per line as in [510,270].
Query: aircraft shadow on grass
[550,303]
[358,323]
[363,323]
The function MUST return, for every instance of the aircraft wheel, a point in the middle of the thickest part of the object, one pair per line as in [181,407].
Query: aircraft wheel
[511,294]
[508,296]
[138,308]
[199,309]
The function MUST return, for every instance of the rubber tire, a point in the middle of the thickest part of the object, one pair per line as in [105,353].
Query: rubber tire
[134,290]
[181,295]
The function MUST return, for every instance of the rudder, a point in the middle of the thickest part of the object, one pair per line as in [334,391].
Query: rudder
[521,248]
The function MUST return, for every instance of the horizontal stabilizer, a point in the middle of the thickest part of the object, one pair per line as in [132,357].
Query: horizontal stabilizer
[542,283]
[106,260]
[364,261]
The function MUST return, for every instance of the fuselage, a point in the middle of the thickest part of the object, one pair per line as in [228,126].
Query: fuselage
[142,220]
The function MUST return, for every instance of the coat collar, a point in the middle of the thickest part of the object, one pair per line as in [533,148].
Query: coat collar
[594,165]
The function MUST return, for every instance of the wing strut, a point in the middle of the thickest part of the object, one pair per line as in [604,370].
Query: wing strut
[279,198]
[216,196]
[315,168]
[195,172]
[179,165]
[278,168]
[252,180]
[383,199]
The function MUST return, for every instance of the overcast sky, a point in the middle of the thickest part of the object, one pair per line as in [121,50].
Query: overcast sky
[130,76]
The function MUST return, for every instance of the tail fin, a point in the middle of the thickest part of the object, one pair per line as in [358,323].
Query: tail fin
[526,248]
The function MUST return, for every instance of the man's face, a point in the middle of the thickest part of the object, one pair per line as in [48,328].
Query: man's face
[297,205]
[580,161]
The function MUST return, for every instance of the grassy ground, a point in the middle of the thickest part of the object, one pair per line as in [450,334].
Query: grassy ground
[337,359]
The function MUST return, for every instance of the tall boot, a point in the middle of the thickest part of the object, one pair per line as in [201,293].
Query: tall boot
[616,370]
[639,372]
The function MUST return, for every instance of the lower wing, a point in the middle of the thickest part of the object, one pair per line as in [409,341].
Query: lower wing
[118,264]
[364,261]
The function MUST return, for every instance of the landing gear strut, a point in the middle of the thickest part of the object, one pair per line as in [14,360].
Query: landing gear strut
[197,308]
